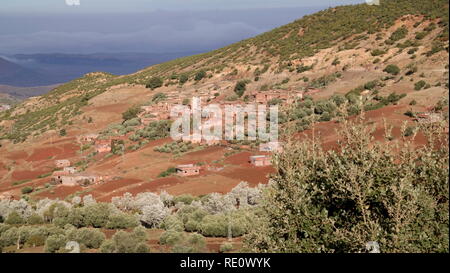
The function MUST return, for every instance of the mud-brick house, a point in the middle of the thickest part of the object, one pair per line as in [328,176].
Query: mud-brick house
[88,138]
[70,170]
[188,170]
[260,160]
[103,146]
[62,163]
[72,180]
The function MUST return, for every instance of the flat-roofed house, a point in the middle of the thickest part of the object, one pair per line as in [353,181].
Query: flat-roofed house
[72,180]
[88,138]
[70,170]
[103,146]
[188,170]
[62,163]
[260,160]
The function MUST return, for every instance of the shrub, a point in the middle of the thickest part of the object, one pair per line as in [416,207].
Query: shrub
[184,198]
[409,131]
[159,97]
[377,52]
[419,85]
[168,172]
[108,246]
[200,75]
[337,202]
[27,190]
[392,69]
[303,68]
[226,247]
[62,132]
[126,242]
[131,113]
[122,221]
[97,215]
[240,88]
[35,219]
[36,240]
[193,243]
[154,83]
[89,237]
[55,243]
[14,219]
[183,79]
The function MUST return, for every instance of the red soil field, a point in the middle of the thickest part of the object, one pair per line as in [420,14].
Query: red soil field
[151,186]
[252,175]
[60,192]
[17,155]
[23,175]
[239,159]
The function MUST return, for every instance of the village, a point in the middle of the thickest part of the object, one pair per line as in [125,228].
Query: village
[68,175]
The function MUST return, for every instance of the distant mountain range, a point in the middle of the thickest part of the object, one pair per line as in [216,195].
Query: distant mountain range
[29,70]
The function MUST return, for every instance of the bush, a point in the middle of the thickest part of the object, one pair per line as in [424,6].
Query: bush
[125,242]
[89,237]
[337,202]
[168,172]
[172,237]
[240,88]
[154,83]
[14,219]
[27,190]
[392,69]
[122,221]
[97,215]
[409,131]
[183,79]
[419,85]
[131,113]
[226,247]
[159,97]
[193,243]
[35,219]
[184,198]
[54,243]
[200,75]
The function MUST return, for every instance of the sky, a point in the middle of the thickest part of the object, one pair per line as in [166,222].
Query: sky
[156,26]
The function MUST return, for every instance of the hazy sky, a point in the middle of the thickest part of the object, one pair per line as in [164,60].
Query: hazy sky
[96,26]
[26,6]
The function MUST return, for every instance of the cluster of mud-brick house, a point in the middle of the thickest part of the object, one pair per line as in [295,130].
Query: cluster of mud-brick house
[69,176]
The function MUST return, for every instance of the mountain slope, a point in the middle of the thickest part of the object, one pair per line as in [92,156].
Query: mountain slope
[343,40]
[14,74]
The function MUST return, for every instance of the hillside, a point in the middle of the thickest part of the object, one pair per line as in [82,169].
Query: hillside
[395,54]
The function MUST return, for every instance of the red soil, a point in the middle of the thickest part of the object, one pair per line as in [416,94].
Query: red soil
[17,155]
[239,159]
[59,192]
[23,175]
[252,175]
